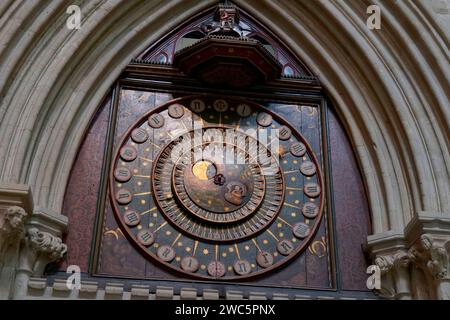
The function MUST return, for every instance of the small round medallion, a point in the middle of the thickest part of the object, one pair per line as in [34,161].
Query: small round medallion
[122,174]
[308,168]
[311,189]
[264,119]
[197,105]
[301,230]
[166,253]
[156,121]
[284,133]
[298,149]
[243,110]
[264,259]
[145,237]
[176,111]
[131,218]
[128,153]
[189,264]
[123,196]
[285,247]
[242,267]
[139,135]
[220,105]
[310,210]
[216,269]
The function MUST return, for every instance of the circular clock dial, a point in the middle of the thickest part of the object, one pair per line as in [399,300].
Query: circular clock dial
[211,198]
[216,188]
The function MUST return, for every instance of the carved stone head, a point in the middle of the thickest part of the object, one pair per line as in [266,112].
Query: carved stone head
[402,259]
[385,263]
[15,216]
[426,241]
[413,254]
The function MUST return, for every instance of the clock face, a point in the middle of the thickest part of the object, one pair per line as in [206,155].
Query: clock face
[199,184]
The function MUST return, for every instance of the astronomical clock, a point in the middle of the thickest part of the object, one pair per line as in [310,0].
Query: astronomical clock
[217,160]
[198,174]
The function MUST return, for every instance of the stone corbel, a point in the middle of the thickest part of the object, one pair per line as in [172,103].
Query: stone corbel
[16,206]
[385,263]
[429,237]
[389,253]
[41,246]
[395,282]
[414,262]
[39,249]
[431,256]
[12,230]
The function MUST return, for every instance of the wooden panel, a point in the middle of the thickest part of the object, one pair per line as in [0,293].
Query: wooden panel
[351,208]
[82,191]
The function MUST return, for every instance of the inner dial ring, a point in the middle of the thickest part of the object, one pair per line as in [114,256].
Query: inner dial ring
[251,207]
[238,196]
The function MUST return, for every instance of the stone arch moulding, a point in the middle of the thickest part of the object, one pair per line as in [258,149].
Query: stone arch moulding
[390,86]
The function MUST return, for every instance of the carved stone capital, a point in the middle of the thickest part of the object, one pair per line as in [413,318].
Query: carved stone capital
[394,269]
[385,263]
[39,249]
[415,263]
[16,208]
[12,229]
[46,243]
[40,244]
[395,261]
[431,255]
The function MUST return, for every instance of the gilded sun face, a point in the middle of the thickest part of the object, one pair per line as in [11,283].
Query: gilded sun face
[204,170]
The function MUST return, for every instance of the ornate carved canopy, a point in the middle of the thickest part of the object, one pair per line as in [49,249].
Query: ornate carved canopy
[226,58]
[228,61]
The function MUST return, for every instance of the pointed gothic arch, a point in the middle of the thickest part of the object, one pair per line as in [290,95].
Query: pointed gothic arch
[397,121]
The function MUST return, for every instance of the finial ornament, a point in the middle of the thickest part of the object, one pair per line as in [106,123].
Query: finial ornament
[225,21]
